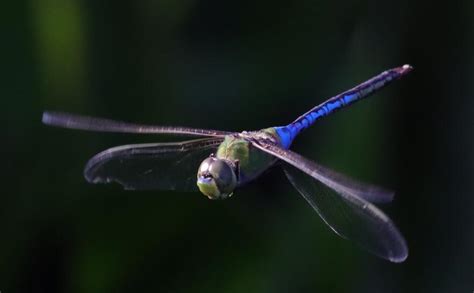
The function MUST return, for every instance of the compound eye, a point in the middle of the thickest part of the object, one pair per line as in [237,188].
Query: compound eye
[205,165]
[221,171]
[216,178]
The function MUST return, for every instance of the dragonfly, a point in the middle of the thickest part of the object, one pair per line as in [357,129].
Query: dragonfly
[226,160]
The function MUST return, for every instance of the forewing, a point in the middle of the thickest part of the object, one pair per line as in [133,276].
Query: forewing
[349,215]
[340,183]
[166,166]
[73,121]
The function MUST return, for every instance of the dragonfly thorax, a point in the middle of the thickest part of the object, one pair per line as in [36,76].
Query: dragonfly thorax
[217,178]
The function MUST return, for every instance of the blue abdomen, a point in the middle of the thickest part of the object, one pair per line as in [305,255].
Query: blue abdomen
[288,133]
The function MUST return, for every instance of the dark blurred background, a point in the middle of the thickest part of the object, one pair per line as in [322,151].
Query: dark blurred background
[235,65]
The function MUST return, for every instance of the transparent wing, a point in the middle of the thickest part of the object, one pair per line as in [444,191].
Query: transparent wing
[73,121]
[346,213]
[340,183]
[351,217]
[166,166]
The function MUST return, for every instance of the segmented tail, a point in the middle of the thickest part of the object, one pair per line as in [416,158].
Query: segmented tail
[289,132]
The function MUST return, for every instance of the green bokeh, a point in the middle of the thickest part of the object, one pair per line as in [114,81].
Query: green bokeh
[233,66]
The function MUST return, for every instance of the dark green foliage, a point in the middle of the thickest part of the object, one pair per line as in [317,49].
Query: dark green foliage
[233,66]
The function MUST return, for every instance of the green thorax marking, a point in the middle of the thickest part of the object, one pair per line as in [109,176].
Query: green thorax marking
[252,162]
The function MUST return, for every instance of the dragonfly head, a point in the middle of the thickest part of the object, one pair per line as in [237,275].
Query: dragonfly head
[216,178]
